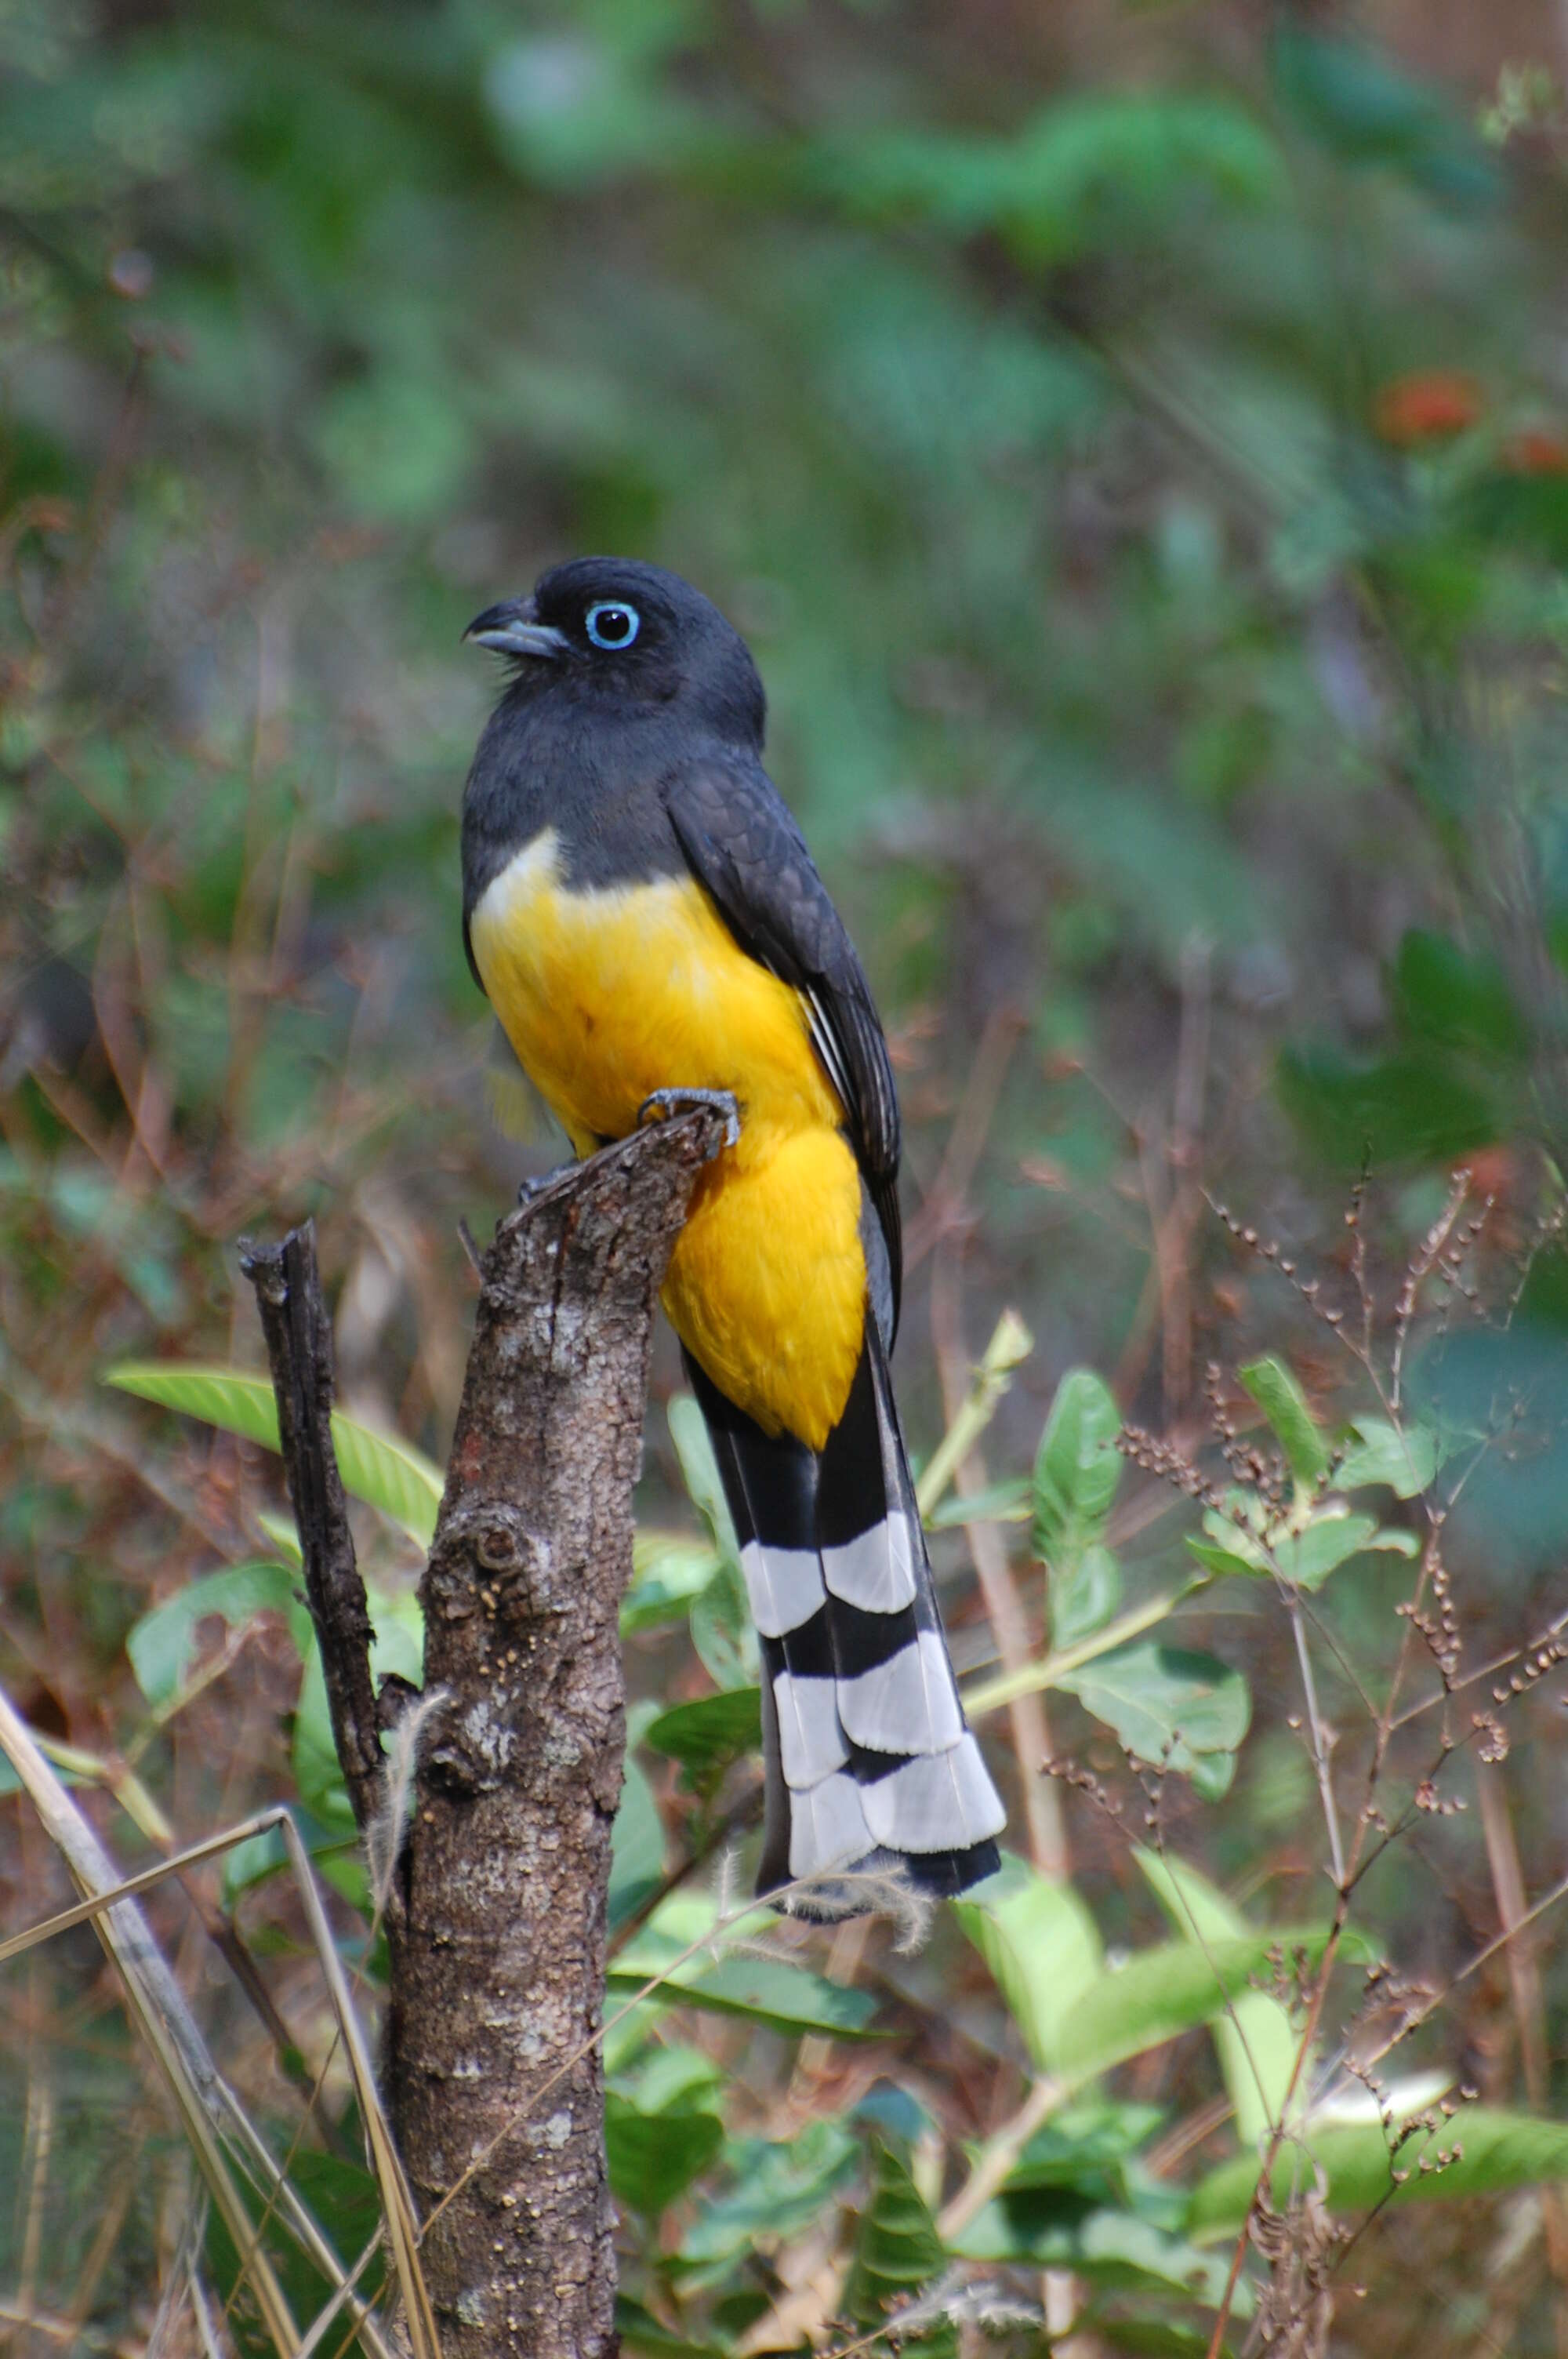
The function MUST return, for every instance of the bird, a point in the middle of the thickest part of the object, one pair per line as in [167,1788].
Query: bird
[642,913]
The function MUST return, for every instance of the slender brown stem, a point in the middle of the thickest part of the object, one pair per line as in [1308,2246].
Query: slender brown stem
[300,1351]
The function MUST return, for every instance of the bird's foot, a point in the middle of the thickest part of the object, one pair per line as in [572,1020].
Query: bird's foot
[531,1188]
[660,1104]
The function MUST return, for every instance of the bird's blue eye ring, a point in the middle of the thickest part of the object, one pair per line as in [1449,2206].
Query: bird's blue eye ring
[612,623]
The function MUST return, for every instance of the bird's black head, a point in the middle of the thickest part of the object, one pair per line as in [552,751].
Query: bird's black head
[611,628]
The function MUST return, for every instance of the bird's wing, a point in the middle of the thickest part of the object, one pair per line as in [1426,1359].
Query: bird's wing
[744,846]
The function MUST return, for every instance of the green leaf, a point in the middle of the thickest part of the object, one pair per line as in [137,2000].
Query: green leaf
[1415,1106]
[1087,1599]
[1084,2146]
[577,108]
[1521,512]
[284,1533]
[637,1845]
[653,2159]
[1256,2042]
[342,2195]
[640,2331]
[1240,1533]
[1500,2151]
[395,443]
[1355,98]
[227,1397]
[699,1471]
[378,1468]
[1331,1541]
[1110,2246]
[707,1735]
[1007,1502]
[318,1777]
[759,1990]
[1441,995]
[388,1473]
[1076,1469]
[723,1630]
[1166,1704]
[663,2126]
[898,2254]
[1149,2337]
[1088,171]
[397,1645]
[1306,1555]
[1228,1561]
[1170,1989]
[721,1627]
[1102,164]
[780,2189]
[162,1644]
[1279,1396]
[672,2075]
[668,1570]
[762,1990]
[1362,107]
[1042,1946]
[1403,1459]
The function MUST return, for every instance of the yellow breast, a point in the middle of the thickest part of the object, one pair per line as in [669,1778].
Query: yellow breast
[611,994]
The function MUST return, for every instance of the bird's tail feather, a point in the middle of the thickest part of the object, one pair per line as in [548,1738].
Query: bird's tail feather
[869,1765]
[770,1486]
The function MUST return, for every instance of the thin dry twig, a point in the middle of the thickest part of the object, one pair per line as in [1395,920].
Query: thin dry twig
[300,1349]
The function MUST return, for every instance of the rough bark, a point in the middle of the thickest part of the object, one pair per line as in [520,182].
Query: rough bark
[497,1932]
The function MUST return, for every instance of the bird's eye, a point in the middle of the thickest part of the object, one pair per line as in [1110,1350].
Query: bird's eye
[612,624]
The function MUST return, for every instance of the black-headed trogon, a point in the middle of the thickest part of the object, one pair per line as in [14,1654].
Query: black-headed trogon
[642,911]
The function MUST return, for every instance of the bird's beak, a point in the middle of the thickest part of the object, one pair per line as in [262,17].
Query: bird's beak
[512,628]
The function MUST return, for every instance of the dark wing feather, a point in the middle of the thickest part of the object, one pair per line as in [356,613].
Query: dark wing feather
[744,846]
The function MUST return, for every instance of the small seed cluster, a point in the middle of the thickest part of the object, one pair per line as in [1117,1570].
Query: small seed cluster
[1163,1459]
[1533,1666]
[1437,1621]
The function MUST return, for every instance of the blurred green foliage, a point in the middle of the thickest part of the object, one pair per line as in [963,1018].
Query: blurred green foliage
[1135,441]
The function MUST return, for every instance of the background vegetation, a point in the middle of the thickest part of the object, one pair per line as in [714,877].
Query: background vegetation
[1135,440]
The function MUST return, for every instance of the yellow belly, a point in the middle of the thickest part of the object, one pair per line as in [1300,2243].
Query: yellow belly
[611,994]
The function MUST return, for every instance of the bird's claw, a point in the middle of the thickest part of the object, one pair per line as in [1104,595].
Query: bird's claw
[660,1104]
[531,1188]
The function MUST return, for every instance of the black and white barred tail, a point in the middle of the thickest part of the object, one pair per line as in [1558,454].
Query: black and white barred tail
[870,1763]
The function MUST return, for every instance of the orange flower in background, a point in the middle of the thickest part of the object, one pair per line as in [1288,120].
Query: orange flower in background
[1427,406]
[1536,451]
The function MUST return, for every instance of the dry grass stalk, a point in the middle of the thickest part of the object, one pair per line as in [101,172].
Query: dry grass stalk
[214,2121]
[159,2009]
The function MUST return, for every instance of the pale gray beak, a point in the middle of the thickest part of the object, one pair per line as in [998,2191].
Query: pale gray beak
[512,628]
